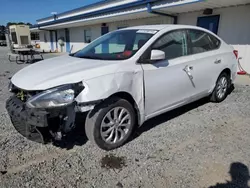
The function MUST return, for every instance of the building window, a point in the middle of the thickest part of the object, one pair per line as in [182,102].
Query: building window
[87,35]
[34,36]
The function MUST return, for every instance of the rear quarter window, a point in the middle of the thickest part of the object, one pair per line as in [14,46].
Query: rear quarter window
[216,42]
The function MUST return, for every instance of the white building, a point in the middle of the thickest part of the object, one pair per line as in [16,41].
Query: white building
[230,19]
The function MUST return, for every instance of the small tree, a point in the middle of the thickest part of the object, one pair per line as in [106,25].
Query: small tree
[9,24]
[2,29]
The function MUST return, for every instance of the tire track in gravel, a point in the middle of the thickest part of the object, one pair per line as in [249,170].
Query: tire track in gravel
[39,159]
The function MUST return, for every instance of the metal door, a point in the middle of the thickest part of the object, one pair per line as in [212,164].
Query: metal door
[209,22]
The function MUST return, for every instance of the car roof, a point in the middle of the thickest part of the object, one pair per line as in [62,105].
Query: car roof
[162,26]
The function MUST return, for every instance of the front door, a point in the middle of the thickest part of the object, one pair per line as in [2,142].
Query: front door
[167,84]
[209,22]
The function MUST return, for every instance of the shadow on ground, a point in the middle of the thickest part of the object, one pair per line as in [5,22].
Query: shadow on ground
[77,137]
[150,124]
[239,177]
[171,115]
[19,62]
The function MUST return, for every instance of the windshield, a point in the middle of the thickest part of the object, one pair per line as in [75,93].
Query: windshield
[118,45]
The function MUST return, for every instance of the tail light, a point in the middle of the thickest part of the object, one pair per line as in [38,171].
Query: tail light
[236,53]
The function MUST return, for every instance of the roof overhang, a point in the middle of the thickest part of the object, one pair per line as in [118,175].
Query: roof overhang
[128,15]
[200,5]
[169,7]
[77,9]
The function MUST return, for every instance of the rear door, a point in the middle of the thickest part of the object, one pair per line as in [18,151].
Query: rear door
[207,60]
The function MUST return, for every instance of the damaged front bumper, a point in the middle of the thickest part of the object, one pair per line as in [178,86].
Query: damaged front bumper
[41,125]
[27,122]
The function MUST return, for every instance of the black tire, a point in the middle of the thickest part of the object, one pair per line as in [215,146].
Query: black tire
[95,117]
[215,96]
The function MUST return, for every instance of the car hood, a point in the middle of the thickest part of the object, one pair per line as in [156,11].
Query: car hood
[59,71]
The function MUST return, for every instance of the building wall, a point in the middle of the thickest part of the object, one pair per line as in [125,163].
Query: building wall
[77,33]
[61,34]
[234,28]
[44,41]
[77,40]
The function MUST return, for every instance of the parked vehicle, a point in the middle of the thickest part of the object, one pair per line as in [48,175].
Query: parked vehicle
[121,80]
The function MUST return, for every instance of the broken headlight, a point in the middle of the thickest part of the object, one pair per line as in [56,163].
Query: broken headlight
[56,97]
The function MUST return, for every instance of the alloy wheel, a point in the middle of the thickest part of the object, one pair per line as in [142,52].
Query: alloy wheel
[222,87]
[115,125]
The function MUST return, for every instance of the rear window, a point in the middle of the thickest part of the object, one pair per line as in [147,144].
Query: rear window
[202,41]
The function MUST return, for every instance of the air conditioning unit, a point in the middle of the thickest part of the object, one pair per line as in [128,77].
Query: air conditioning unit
[20,35]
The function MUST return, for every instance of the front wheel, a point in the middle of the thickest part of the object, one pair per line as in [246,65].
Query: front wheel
[221,89]
[111,123]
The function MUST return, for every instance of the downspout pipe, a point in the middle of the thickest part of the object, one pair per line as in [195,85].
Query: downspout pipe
[149,9]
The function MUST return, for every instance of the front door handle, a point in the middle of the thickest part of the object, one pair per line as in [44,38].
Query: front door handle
[218,61]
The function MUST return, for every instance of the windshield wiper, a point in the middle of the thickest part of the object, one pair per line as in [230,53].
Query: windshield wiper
[91,57]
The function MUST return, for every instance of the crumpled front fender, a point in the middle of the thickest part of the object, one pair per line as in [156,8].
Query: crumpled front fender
[100,88]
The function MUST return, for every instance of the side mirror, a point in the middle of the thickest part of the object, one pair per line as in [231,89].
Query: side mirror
[157,55]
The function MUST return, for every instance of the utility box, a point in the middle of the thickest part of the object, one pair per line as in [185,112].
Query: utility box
[20,35]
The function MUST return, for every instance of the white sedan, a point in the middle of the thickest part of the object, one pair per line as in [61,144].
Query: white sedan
[121,80]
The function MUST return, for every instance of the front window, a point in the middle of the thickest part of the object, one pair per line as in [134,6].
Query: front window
[119,45]
[174,44]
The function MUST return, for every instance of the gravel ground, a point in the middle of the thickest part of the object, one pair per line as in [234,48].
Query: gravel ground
[193,146]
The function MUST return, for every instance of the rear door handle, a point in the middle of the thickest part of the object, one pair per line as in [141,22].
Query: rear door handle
[188,70]
[217,61]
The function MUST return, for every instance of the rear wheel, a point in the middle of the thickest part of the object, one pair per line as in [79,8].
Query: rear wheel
[110,124]
[221,89]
